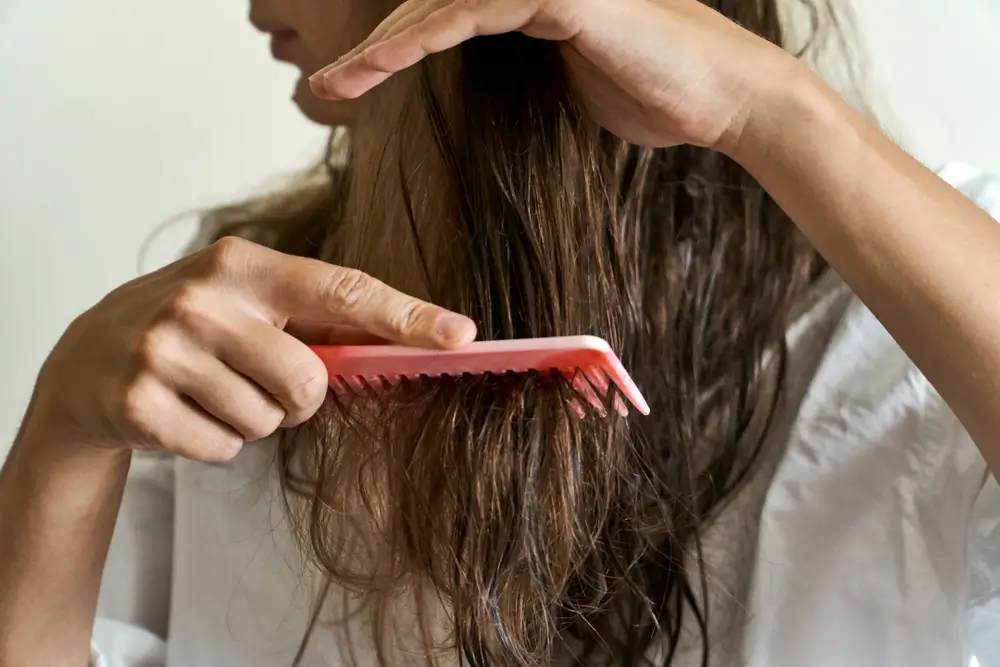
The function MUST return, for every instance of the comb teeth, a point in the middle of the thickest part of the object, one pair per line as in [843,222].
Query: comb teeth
[592,384]
[588,362]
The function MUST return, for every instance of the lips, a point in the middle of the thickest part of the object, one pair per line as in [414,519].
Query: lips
[282,41]
[282,37]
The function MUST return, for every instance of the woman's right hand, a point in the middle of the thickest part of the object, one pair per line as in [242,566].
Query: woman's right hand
[194,359]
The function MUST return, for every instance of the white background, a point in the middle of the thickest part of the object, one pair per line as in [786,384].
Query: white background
[115,116]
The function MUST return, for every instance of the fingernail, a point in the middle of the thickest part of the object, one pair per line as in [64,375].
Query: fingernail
[319,76]
[325,72]
[455,329]
[318,86]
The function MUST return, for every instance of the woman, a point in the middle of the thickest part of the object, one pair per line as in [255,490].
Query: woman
[800,495]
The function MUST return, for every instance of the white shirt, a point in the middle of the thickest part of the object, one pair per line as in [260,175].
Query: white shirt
[870,537]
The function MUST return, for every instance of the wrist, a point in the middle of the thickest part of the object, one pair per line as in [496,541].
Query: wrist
[794,110]
[46,436]
[59,501]
[48,463]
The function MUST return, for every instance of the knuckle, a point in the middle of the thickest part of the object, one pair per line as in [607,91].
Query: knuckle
[263,426]
[225,449]
[153,347]
[217,449]
[137,403]
[466,10]
[255,433]
[413,316]
[188,305]
[226,255]
[347,287]
[374,60]
[303,396]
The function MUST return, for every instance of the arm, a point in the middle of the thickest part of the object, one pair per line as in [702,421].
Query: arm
[922,257]
[665,72]
[58,504]
[191,360]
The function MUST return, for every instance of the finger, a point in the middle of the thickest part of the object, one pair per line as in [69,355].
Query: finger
[165,420]
[285,287]
[402,17]
[324,333]
[308,289]
[281,365]
[228,396]
[441,29]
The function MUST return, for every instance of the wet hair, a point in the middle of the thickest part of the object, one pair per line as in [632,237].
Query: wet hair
[483,513]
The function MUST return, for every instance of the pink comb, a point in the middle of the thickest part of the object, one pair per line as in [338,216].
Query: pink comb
[352,367]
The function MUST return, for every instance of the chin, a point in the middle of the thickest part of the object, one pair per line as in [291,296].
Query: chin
[323,112]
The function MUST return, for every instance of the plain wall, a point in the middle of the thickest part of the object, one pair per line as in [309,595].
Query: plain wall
[116,116]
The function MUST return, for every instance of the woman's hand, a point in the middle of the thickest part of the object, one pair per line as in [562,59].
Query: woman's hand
[195,360]
[654,72]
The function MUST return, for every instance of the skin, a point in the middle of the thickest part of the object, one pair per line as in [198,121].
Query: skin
[309,34]
[659,72]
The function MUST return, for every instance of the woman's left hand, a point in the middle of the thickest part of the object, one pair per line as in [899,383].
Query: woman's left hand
[654,72]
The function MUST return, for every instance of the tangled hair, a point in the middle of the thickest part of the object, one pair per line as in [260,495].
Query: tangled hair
[509,529]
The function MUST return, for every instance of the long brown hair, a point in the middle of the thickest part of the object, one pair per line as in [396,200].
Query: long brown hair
[514,530]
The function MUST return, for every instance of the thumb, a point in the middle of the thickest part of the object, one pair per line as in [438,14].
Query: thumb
[327,333]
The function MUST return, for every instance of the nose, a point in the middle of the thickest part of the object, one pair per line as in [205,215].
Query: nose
[261,19]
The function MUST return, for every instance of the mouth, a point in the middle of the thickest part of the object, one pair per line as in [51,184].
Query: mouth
[282,40]
[282,37]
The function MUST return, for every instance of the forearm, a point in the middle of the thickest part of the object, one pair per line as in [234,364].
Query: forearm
[58,506]
[921,256]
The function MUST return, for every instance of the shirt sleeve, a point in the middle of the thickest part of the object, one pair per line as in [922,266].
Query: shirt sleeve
[134,606]
[983,618]
[984,576]
[120,645]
